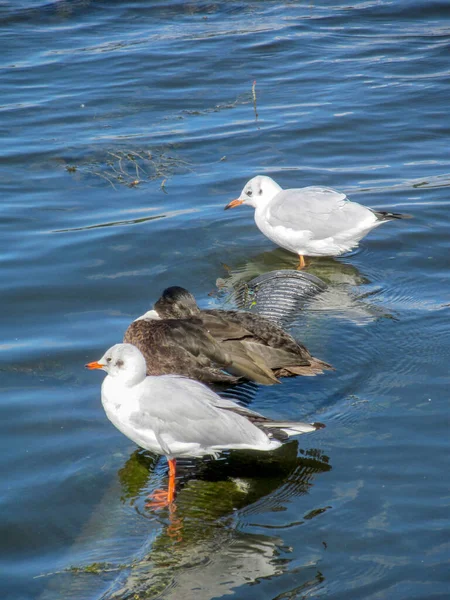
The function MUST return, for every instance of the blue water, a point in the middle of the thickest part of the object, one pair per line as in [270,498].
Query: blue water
[126,128]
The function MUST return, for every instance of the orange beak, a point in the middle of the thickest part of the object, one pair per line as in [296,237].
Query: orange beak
[233,203]
[94,365]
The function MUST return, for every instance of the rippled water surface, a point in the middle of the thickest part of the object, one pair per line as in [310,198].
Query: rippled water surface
[126,128]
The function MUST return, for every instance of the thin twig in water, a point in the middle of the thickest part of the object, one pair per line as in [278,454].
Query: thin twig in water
[115,155]
[254,99]
[119,158]
[104,177]
[120,173]
[141,170]
[178,160]
[132,168]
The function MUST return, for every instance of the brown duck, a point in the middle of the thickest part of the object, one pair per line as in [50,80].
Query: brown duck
[216,346]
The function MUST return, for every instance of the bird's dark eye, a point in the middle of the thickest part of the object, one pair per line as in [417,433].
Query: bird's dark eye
[260,191]
[108,359]
[249,193]
[119,363]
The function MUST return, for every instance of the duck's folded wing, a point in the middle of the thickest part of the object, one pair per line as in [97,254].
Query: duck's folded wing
[261,329]
[232,336]
[322,211]
[195,339]
[249,364]
[265,339]
[177,346]
[221,327]
[276,358]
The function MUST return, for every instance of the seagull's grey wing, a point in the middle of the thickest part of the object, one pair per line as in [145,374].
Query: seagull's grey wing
[322,211]
[181,410]
[279,429]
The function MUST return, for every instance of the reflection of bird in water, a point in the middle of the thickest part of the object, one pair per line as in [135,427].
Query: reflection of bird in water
[234,481]
[329,270]
[311,221]
[278,295]
[134,554]
[264,285]
[178,337]
[210,494]
[177,417]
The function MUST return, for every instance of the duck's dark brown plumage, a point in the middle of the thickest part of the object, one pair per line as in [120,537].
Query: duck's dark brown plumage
[179,346]
[185,347]
[217,346]
[280,351]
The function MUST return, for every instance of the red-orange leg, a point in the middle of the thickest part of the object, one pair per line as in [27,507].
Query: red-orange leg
[171,490]
[163,498]
[302,263]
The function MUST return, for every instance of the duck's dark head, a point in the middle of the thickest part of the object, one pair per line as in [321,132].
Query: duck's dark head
[176,303]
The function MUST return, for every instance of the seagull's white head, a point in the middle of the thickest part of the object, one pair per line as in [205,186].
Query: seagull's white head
[123,361]
[257,192]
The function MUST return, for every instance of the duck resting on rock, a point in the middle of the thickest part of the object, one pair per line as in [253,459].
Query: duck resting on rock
[216,346]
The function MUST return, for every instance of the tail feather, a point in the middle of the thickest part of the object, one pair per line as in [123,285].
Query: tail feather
[389,216]
[315,367]
[281,430]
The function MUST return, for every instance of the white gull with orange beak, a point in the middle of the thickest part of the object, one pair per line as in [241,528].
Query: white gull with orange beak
[176,416]
[309,221]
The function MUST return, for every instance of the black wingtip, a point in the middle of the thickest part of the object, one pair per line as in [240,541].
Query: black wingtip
[390,216]
[318,426]
[400,216]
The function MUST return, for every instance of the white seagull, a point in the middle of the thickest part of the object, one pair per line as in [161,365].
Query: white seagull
[311,221]
[176,416]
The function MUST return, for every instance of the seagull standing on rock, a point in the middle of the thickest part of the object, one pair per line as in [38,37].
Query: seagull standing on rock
[175,416]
